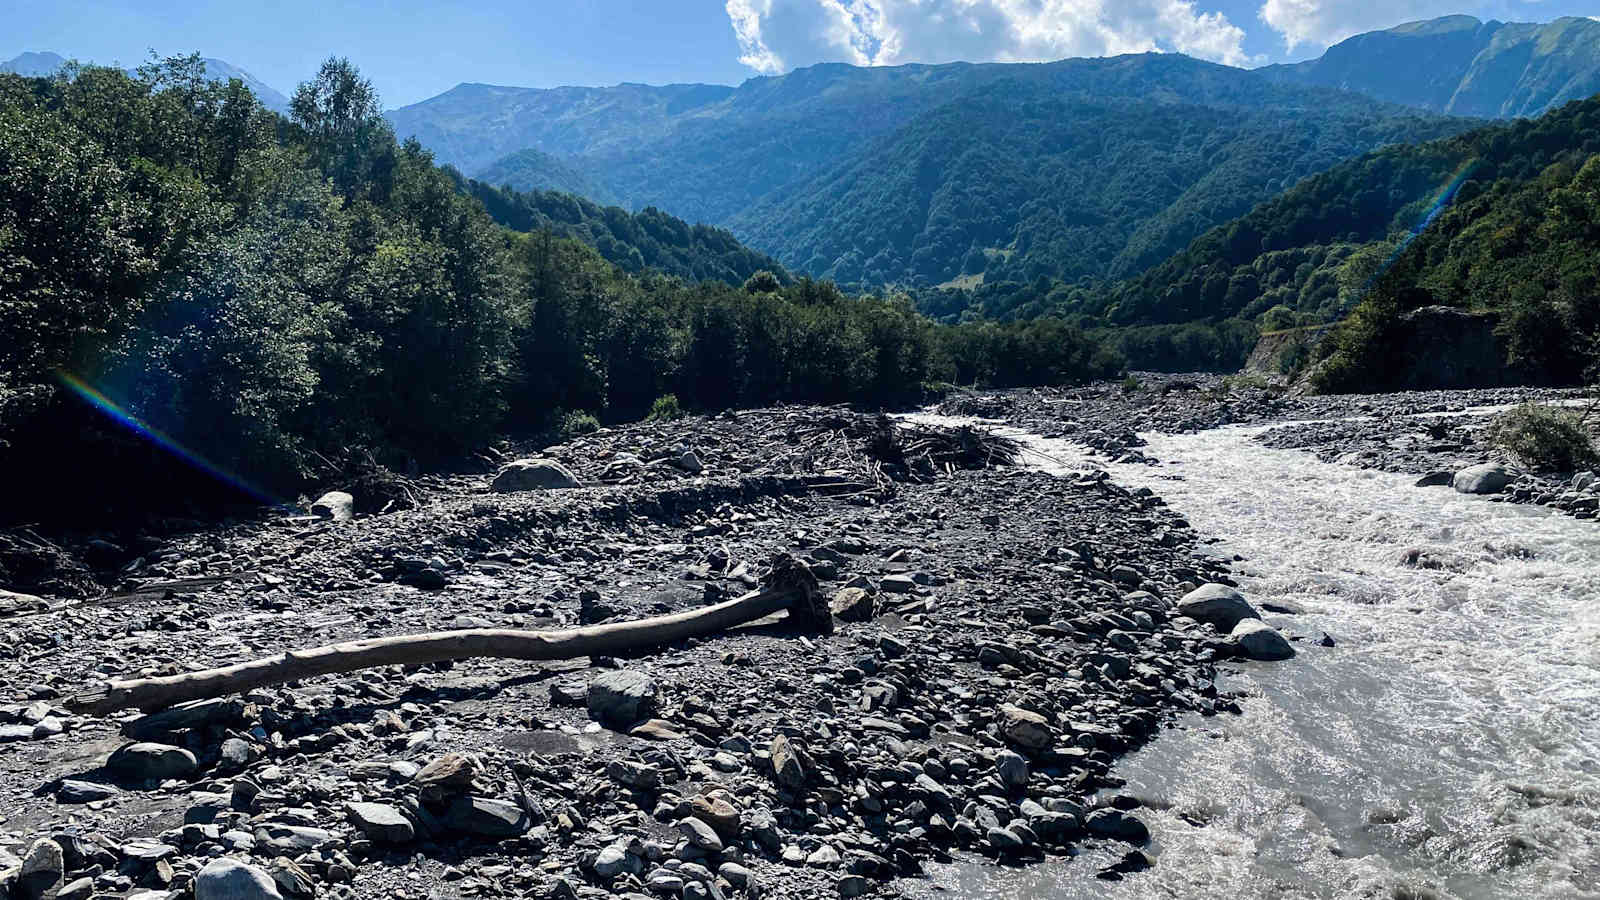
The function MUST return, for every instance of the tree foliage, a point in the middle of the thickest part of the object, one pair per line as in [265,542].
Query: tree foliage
[272,294]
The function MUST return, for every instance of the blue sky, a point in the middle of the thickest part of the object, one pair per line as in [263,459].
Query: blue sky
[413,50]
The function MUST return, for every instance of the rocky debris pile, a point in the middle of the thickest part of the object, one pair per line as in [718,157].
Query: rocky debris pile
[781,441]
[1003,636]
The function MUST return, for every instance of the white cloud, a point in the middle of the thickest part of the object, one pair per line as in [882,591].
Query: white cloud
[775,35]
[1323,23]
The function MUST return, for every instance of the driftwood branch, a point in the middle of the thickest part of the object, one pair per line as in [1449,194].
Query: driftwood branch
[790,587]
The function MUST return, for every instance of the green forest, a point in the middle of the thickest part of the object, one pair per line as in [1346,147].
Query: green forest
[278,294]
[1468,221]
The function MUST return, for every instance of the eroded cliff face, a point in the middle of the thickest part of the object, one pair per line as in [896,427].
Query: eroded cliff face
[1433,348]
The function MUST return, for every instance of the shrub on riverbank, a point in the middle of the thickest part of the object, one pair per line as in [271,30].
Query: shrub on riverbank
[1545,438]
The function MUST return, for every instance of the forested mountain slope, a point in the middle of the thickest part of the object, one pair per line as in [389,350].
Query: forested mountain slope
[1314,249]
[1461,66]
[918,174]
[646,240]
[536,170]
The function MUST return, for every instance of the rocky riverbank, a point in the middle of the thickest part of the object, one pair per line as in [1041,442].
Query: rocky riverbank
[1001,637]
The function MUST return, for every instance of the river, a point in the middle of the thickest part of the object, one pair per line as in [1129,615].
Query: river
[1448,745]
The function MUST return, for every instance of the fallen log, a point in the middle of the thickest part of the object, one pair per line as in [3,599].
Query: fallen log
[789,586]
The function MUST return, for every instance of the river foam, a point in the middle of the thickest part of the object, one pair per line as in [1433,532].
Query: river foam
[1447,746]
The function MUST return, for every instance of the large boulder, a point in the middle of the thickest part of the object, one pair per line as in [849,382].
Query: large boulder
[147,761]
[336,505]
[1217,604]
[380,822]
[622,697]
[1258,640]
[1489,478]
[229,879]
[533,474]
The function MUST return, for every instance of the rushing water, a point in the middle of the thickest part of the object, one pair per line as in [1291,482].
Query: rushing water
[1448,746]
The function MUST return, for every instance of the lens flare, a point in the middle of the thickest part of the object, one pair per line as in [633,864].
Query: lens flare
[1441,202]
[133,423]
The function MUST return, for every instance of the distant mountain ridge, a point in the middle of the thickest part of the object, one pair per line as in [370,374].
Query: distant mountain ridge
[919,174]
[39,64]
[1459,65]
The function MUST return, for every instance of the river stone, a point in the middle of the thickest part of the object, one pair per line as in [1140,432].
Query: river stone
[336,505]
[717,810]
[229,879]
[1436,479]
[1258,640]
[1025,728]
[494,819]
[533,474]
[382,823]
[1117,825]
[852,604]
[451,773]
[42,871]
[11,734]
[788,767]
[1012,769]
[700,835]
[1489,478]
[75,791]
[622,697]
[147,761]
[1217,604]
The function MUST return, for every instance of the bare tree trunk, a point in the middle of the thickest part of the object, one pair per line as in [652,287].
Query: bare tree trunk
[790,587]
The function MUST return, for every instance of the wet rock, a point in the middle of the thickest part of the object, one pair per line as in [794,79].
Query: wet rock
[1116,825]
[336,506]
[1218,605]
[384,824]
[533,474]
[147,761]
[1488,478]
[1258,640]
[1436,479]
[622,697]
[229,879]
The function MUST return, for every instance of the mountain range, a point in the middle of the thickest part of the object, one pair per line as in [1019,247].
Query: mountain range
[38,64]
[1461,66]
[923,174]
[960,173]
